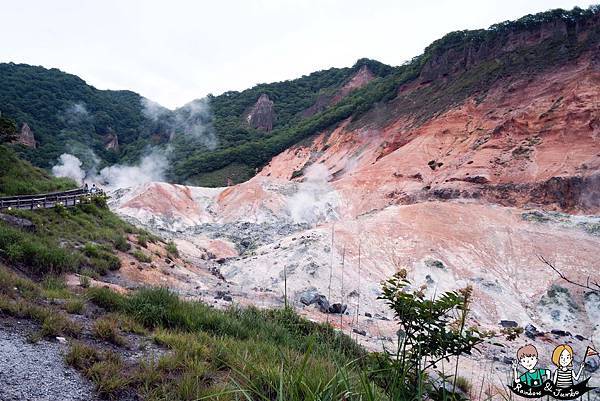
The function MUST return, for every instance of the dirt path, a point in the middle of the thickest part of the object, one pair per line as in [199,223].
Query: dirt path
[36,372]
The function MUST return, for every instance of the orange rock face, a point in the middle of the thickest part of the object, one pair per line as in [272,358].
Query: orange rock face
[534,143]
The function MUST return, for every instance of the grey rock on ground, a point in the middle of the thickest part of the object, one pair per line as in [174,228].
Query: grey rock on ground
[37,372]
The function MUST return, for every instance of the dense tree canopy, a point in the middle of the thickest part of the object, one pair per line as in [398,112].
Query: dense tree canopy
[8,130]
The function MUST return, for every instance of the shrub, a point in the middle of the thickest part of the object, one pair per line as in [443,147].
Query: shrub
[106,263]
[84,280]
[101,260]
[463,384]
[106,329]
[81,356]
[109,376]
[142,240]
[13,285]
[172,249]
[141,256]
[55,287]
[106,298]
[105,369]
[55,324]
[91,250]
[431,330]
[122,244]
[32,252]
[75,306]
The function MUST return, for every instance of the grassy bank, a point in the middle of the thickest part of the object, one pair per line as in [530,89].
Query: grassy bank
[18,177]
[83,239]
[204,353]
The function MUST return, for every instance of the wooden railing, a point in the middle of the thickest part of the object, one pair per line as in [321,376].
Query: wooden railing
[45,201]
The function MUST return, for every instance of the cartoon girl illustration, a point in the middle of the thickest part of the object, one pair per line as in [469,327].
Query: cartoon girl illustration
[564,376]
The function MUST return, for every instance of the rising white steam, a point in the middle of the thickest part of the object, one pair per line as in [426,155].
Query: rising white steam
[76,113]
[316,200]
[193,120]
[151,167]
[153,111]
[69,166]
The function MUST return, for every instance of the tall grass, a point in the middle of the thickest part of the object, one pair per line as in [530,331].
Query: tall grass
[161,308]
[18,177]
[66,240]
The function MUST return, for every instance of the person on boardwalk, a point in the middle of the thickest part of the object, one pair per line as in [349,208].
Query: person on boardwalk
[94,189]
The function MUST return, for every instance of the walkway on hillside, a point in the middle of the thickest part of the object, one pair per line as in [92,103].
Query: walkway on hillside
[46,201]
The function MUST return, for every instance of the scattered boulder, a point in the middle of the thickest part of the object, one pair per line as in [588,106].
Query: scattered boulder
[338,308]
[434,263]
[508,323]
[508,360]
[531,331]
[18,222]
[560,333]
[309,297]
[592,365]
[224,296]
[434,164]
[367,314]
[359,331]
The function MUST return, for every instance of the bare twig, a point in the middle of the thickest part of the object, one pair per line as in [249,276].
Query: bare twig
[342,288]
[589,285]
[330,266]
[359,273]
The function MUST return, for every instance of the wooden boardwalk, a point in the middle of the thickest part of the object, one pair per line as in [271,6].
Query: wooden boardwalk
[45,201]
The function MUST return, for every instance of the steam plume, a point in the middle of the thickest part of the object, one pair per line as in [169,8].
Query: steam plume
[315,200]
[69,166]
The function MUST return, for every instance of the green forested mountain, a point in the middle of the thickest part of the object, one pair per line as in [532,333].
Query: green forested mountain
[211,139]
[68,115]
[65,113]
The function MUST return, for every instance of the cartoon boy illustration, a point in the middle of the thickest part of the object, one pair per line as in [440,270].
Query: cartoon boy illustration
[527,356]
[562,357]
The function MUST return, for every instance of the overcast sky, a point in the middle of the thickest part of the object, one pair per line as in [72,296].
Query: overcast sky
[175,51]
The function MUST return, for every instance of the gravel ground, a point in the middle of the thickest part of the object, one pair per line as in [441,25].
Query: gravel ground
[36,372]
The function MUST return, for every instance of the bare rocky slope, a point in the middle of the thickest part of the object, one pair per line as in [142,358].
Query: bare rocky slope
[469,192]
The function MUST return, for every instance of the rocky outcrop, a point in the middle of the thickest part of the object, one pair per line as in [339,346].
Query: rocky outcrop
[459,51]
[111,141]
[26,137]
[362,77]
[262,115]
[19,222]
